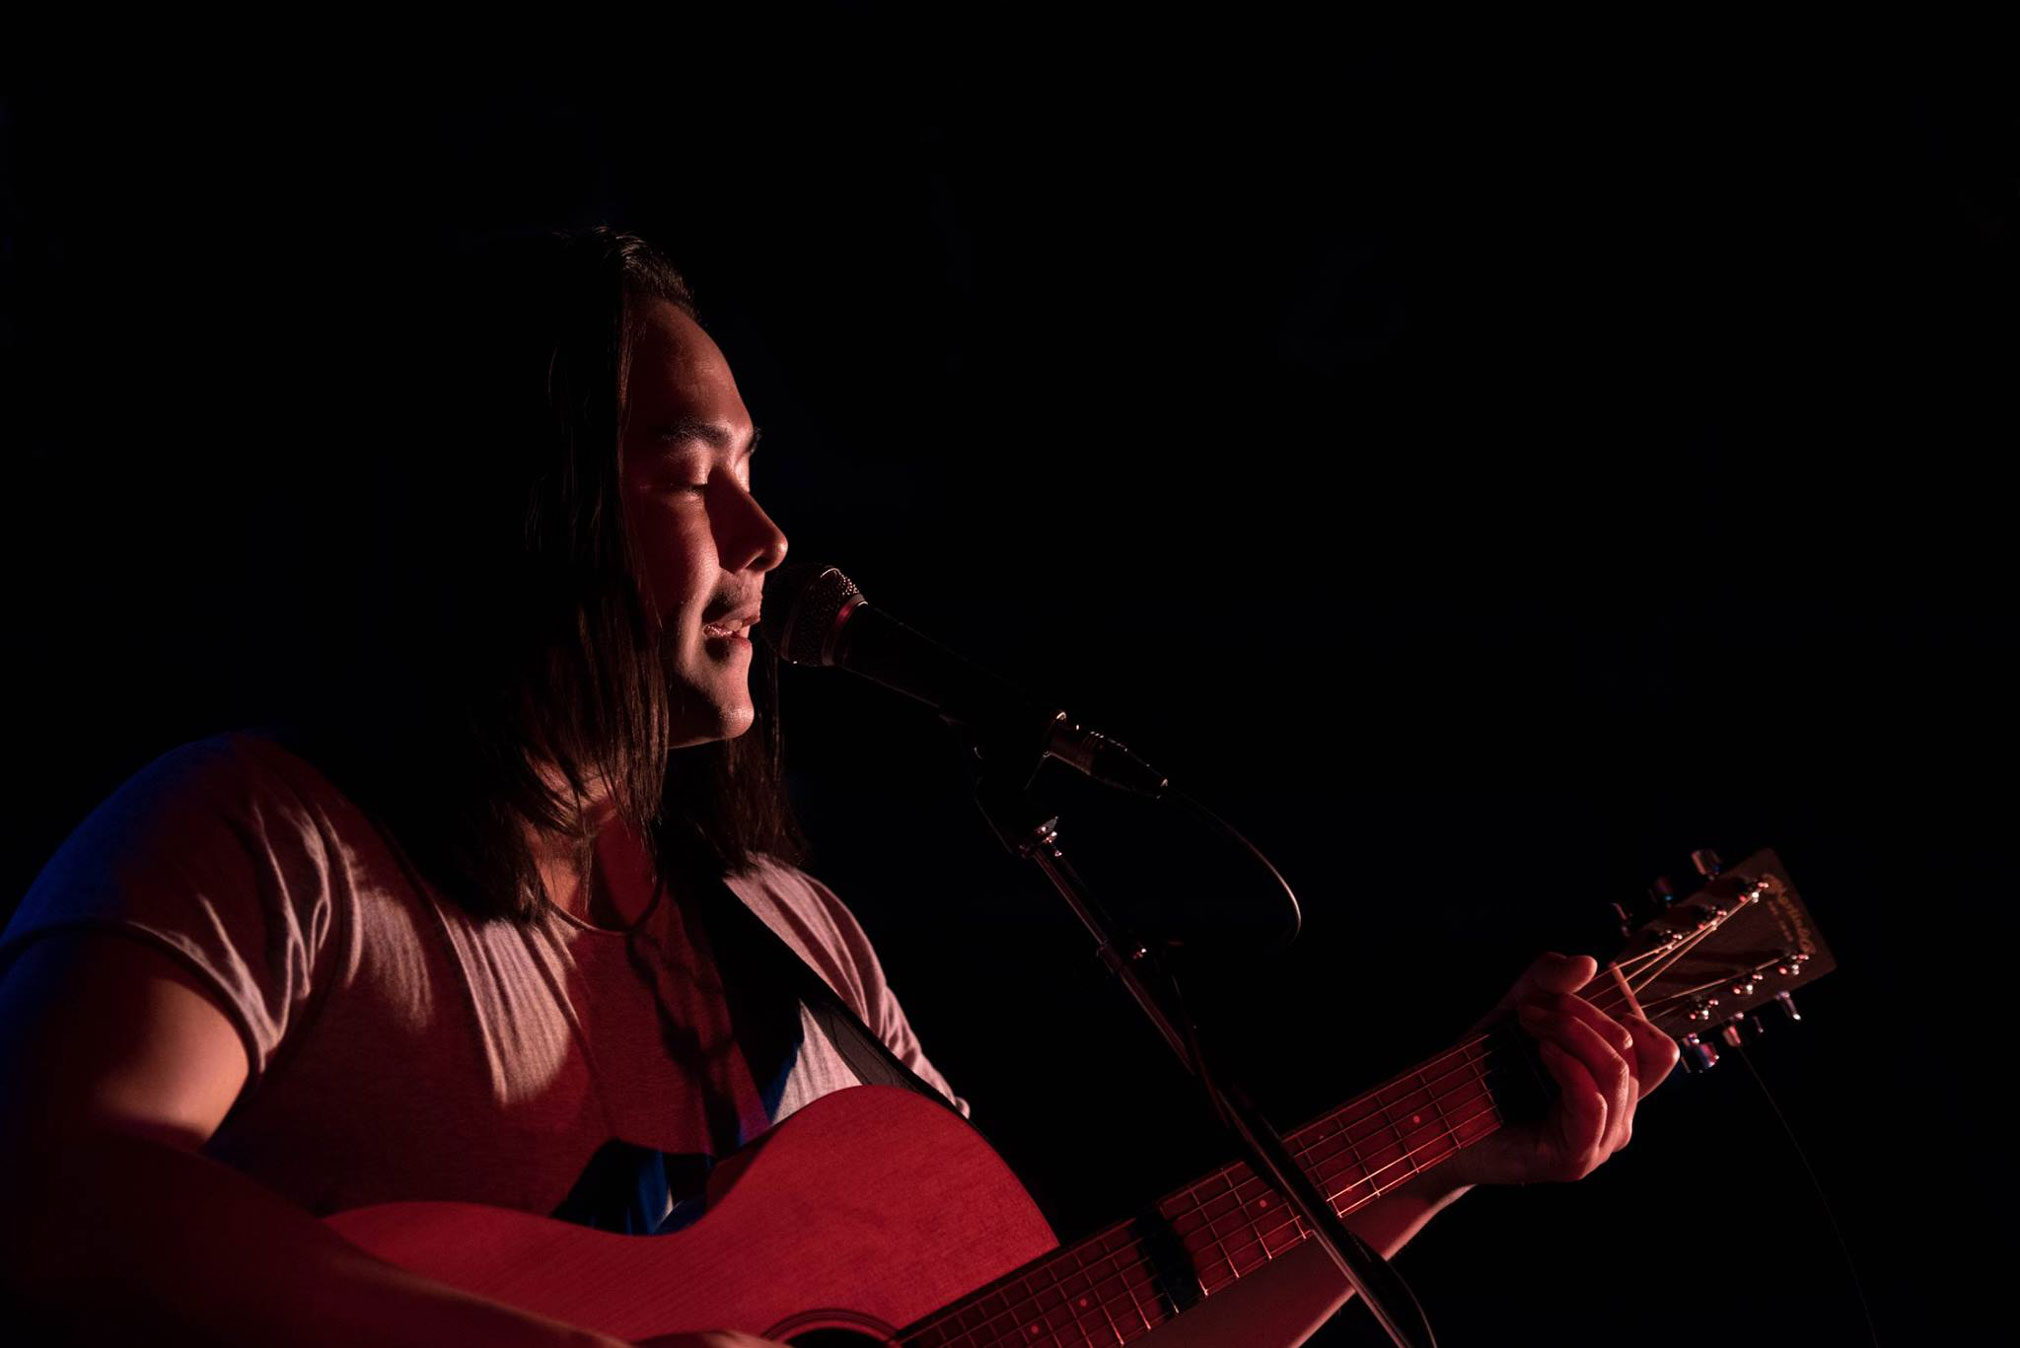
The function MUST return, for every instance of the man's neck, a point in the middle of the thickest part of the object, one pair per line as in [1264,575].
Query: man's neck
[612,886]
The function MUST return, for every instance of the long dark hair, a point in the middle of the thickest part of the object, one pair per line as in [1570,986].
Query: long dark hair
[507,628]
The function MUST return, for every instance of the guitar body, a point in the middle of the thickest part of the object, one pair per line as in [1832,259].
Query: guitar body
[865,1211]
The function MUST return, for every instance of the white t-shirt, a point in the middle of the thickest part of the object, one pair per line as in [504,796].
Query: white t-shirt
[402,1049]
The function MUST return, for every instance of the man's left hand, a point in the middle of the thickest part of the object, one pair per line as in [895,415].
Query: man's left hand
[1602,1066]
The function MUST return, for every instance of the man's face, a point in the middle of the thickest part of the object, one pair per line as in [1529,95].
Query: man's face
[704,543]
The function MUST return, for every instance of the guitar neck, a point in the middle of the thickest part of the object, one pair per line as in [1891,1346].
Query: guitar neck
[1741,941]
[1125,1281]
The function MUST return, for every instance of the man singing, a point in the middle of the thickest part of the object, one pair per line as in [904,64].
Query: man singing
[481,934]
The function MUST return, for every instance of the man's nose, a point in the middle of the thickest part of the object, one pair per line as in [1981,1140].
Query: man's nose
[746,537]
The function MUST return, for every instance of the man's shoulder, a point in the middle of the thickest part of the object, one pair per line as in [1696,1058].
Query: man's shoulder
[808,914]
[768,882]
[221,797]
[240,772]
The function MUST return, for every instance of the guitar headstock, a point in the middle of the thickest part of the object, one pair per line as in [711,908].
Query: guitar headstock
[1704,966]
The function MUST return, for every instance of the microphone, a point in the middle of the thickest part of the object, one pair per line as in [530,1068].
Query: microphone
[815,615]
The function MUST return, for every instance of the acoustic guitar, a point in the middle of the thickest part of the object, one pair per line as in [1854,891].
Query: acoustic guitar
[873,1216]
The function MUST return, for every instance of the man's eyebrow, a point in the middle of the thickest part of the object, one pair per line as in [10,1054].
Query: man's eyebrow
[711,433]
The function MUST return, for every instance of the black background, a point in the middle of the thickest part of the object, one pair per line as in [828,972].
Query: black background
[1484,470]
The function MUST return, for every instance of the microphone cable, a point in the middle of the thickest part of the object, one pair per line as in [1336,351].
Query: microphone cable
[1219,825]
[1816,1184]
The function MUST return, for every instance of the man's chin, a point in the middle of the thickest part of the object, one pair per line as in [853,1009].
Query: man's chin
[724,723]
[707,704]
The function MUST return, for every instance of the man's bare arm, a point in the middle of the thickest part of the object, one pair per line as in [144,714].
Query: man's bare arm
[115,1067]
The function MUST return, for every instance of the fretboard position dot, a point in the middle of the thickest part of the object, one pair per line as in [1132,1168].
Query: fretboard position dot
[1083,1303]
[1416,1119]
[1261,1203]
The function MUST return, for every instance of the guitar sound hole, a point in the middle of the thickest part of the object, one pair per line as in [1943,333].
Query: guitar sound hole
[836,1338]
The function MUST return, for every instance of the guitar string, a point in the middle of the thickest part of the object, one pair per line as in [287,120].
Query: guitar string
[1256,1182]
[1370,1177]
[1263,1238]
[1253,1187]
[1003,1335]
[1668,998]
[1343,1134]
[1377,1188]
[1342,1138]
[1101,1300]
[1669,947]
[1293,1221]
[1684,947]
[1029,1297]
[1078,1321]
[1670,955]
[1305,1155]
[1664,959]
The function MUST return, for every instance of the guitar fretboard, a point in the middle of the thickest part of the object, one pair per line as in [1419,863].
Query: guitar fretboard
[1123,1282]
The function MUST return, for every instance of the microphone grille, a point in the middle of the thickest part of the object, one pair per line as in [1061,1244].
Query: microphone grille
[810,601]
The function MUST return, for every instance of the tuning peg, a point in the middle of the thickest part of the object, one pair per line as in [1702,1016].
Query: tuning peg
[1707,862]
[1698,1056]
[1788,1006]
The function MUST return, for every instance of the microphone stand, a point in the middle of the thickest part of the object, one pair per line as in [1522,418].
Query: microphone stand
[1029,831]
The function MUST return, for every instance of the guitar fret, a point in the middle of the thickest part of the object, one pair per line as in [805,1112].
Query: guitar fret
[973,1318]
[1231,1212]
[1035,1306]
[1204,1211]
[1384,1152]
[1412,1108]
[1440,1093]
[1045,1317]
[1109,1302]
[1086,1293]
[1187,1221]
[1135,1304]
[1001,1321]
[1131,1266]
[1050,1304]
[1258,1239]
[1476,1061]
[1437,1106]
[1071,1315]
[1337,1146]
[1089,1296]
[1120,1257]
[982,1325]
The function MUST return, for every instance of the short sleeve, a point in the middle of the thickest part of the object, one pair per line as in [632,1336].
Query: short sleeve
[209,856]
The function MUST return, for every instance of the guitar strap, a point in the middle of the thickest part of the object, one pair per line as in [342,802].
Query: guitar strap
[745,942]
